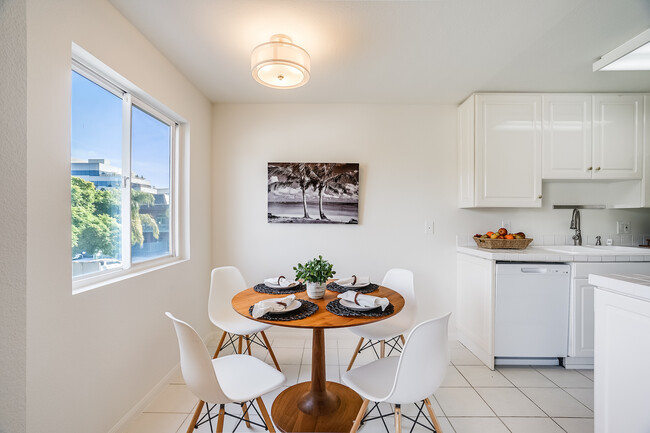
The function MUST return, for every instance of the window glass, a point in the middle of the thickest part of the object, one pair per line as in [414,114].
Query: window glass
[96,177]
[121,153]
[150,181]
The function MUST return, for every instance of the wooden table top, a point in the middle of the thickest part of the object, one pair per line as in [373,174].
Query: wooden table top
[243,300]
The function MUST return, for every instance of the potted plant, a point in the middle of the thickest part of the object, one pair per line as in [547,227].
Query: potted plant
[315,274]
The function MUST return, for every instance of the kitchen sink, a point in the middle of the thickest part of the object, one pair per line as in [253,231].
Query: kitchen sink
[592,249]
[571,249]
[620,249]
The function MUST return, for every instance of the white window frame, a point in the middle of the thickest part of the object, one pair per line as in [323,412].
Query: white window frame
[89,67]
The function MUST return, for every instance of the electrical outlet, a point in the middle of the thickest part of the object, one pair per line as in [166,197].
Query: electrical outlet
[428,227]
[623,227]
[506,225]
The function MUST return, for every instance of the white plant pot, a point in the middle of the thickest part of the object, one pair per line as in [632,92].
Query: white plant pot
[316,290]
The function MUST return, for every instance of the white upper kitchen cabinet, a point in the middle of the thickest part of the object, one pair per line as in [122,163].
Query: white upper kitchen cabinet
[500,141]
[567,129]
[618,136]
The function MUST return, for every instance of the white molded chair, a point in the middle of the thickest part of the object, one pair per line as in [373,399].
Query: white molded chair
[225,283]
[410,378]
[240,379]
[391,330]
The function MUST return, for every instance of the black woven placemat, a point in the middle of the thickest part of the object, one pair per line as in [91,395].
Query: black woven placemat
[263,288]
[335,307]
[340,289]
[306,309]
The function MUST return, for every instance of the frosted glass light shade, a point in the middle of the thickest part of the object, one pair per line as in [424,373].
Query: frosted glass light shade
[280,63]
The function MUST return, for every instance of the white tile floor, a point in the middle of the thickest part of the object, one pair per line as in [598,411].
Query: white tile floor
[472,399]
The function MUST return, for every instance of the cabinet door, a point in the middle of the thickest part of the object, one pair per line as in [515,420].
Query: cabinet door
[618,136]
[566,150]
[581,333]
[466,153]
[508,150]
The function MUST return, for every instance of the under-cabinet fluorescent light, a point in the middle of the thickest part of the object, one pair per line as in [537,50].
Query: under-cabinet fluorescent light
[633,55]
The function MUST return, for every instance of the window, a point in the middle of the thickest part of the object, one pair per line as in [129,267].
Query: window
[122,178]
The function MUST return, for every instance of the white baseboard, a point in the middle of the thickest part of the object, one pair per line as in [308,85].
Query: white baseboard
[153,393]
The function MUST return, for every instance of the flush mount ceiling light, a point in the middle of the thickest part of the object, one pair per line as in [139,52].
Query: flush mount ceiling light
[633,55]
[280,63]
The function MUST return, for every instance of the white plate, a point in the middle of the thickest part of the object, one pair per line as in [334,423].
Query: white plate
[354,286]
[277,286]
[294,306]
[353,306]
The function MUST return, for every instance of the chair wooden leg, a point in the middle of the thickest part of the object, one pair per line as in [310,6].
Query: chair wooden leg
[248,345]
[268,347]
[197,412]
[398,419]
[402,338]
[222,415]
[382,349]
[244,409]
[265,415]
[223,337]
[433,415]
[240,341]
[356,351]
[362,412]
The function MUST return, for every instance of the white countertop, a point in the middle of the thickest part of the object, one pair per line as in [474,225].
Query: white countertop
[561,253]
[635,285]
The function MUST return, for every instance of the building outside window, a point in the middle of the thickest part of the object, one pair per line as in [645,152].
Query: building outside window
[122,176]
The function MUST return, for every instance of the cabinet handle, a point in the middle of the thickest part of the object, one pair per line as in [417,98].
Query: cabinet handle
[597,168]
[539,196]
[590,168]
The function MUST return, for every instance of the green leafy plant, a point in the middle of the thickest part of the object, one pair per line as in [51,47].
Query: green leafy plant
[314,271]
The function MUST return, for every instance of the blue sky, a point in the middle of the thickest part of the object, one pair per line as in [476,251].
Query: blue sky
[97,132]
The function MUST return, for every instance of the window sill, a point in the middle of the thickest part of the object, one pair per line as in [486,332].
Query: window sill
[107,278]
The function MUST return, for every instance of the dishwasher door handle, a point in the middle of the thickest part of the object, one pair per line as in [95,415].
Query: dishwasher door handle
[535,270]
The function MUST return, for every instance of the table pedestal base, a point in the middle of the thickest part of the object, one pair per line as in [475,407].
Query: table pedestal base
[298,409]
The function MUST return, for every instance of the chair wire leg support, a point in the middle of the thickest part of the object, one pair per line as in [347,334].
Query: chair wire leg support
[209,416]
[251,339]
[380,416]
[415,421]
[393,343]
[421,411]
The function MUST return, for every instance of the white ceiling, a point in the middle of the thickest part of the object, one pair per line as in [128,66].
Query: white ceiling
[428,51]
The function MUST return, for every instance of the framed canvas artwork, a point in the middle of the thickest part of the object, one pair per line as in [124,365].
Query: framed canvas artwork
[313,193]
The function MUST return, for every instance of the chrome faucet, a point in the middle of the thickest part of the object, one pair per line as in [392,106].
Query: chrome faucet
[575,225]
[598,242]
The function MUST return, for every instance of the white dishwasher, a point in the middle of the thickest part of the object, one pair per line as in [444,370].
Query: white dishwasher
[532,313]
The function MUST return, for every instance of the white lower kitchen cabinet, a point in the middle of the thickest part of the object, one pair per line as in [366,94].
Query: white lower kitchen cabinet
[622,354]
[581,313]
[581,320]
[475,312]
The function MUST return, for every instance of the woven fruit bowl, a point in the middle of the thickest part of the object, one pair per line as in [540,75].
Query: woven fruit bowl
[502,244]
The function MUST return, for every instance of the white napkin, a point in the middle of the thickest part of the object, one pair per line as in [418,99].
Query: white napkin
[272,305]
[364,300]
[353,281]
[280,281]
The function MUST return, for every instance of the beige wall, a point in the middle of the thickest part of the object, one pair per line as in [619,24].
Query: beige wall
[13,214]
[93,356]
[407,157]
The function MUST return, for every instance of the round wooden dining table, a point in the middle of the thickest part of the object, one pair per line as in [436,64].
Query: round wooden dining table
[317,405]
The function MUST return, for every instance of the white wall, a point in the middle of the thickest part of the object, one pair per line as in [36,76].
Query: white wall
[13,233]
[92,356]
[407,157]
